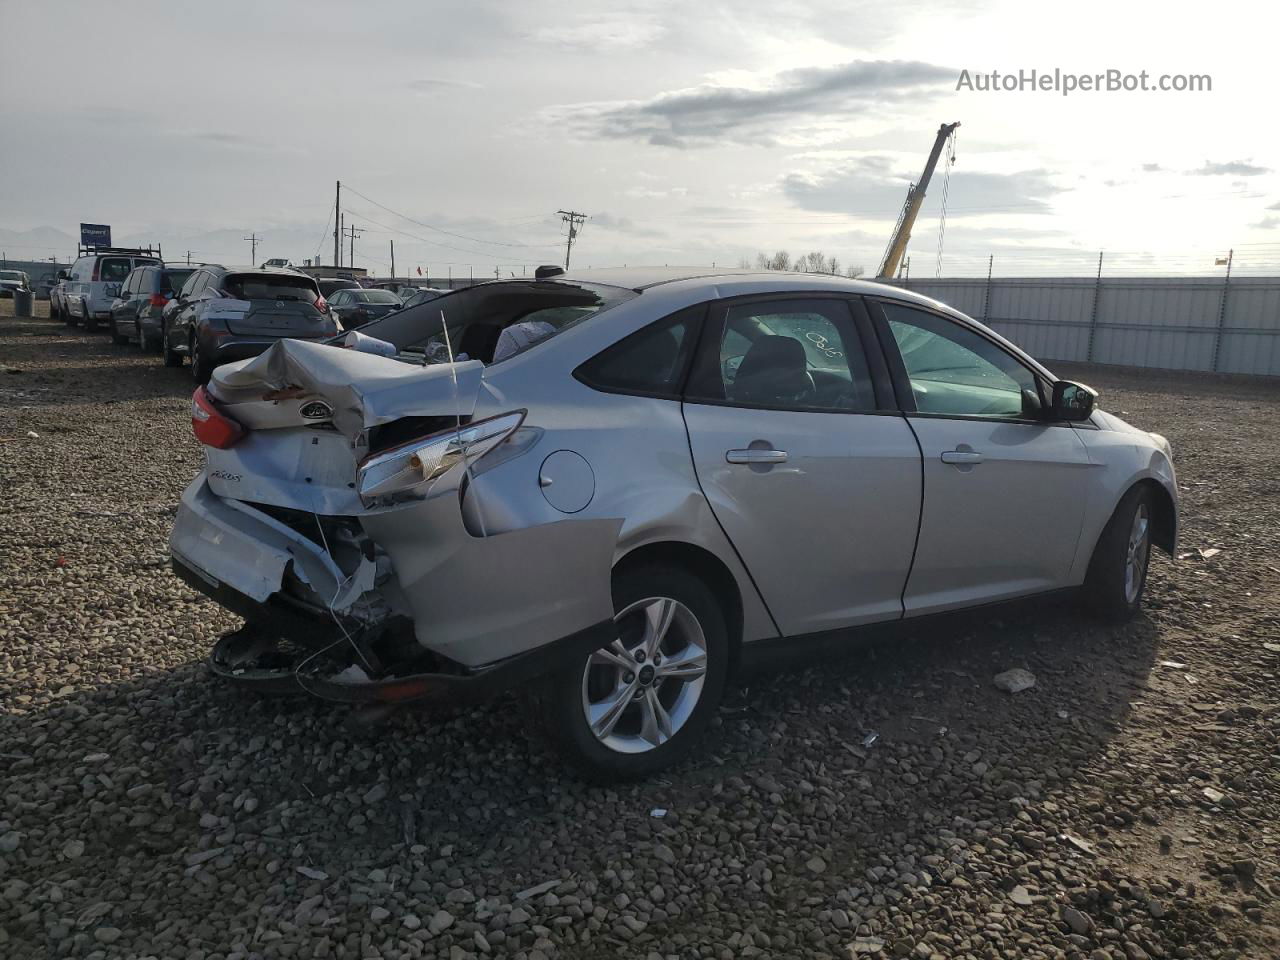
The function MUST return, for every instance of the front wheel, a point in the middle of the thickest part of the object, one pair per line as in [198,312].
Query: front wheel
[68,317]
[1117,575]
[640,704]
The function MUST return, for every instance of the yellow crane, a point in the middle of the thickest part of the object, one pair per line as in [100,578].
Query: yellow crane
[907,218]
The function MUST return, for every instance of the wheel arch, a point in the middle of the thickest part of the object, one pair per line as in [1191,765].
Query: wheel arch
[707,567]
[1164,518]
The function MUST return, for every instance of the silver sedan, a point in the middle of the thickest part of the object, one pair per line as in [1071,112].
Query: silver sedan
[609,490]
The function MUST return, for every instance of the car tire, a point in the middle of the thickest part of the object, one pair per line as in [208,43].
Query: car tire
[68,317]
[1117,574]
[118,338]
[201,369]
[646,718]
[171,357]
[90,323]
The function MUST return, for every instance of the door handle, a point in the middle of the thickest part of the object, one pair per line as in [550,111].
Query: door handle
[961,456]
[756,456]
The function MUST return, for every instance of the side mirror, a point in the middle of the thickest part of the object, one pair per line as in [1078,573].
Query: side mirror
[1072,401]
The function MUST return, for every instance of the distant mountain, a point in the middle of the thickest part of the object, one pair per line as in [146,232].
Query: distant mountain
[38,243]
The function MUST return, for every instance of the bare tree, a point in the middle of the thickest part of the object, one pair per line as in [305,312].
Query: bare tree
[780,261]
[815,261]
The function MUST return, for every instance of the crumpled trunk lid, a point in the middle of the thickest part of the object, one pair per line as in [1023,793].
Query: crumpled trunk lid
[312,412]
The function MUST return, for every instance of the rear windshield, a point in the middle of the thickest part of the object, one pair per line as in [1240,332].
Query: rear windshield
[114,269]
[10,275]
[478,317]
[174,279]
[377,296]
[266,286]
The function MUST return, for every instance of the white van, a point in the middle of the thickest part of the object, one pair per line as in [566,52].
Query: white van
[95,281]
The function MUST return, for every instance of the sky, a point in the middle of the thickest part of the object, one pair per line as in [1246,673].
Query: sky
[690,134]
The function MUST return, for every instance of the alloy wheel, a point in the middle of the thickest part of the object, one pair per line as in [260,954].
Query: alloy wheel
[638,692]
[1136,554]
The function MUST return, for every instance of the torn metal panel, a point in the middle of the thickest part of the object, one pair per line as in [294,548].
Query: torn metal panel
[245,549]
[477,600]
[364,390]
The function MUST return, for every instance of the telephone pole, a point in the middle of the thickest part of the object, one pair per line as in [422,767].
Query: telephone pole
[337,226]
[393,259]
[575,221]
[353,232]
[253,249]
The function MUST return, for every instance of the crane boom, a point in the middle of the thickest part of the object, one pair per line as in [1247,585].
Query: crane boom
[915,197]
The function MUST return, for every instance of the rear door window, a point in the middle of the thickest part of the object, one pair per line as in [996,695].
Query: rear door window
[171,280]
[787,355]
[114,269]
[252,286]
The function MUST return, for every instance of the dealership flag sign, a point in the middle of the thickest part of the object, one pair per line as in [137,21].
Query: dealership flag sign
[95,234]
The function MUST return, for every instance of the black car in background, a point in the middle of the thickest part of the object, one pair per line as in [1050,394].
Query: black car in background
[228,313]
[331,285]
[136,313]
[354,307]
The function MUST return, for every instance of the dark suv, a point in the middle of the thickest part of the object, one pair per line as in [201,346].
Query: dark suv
[229,313]
[138,307]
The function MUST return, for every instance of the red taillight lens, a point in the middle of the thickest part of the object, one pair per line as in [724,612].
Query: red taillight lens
[96,265]
[211,426]
[159,299]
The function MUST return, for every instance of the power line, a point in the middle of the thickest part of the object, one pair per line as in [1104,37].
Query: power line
[450,233]
[435,243]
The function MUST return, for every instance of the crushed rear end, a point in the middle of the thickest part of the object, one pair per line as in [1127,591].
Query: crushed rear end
[329,515]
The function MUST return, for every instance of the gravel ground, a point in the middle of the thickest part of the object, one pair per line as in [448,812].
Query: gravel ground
[890,803]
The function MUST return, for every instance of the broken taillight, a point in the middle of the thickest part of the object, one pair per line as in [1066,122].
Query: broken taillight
[211,426]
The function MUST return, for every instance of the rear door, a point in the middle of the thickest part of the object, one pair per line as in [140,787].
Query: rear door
[813,477]
[1004,489]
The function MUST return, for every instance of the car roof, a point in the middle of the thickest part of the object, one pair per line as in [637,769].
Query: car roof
[269,271]
[712,278]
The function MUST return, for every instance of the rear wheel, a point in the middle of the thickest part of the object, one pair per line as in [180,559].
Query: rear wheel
[118,338]
[90,322]
[171,357]
[146,344]
[201,369]
[1117,574]
[640,704]
[68,317]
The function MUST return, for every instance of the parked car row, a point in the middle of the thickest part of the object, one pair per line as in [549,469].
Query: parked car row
[209,314]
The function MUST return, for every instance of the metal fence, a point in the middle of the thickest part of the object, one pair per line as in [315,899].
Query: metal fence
[1225,325]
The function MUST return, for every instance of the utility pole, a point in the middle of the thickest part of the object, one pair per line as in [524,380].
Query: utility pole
[393,259]
[253,249]
[188,258]
[337,226]
[353,232]
[575,221]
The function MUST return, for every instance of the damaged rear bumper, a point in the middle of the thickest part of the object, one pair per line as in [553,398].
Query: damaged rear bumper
[414,608]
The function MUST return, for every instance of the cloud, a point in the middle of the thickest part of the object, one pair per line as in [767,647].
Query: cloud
[1151,167]
[714,113]
[1267,223]
[1274,206]
[607,221]
[1236,168]
[868,187]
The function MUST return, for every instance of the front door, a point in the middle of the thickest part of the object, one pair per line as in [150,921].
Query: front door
[816,485]
[1004,489]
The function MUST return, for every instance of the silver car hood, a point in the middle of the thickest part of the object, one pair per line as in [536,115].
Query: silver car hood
[363,389]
